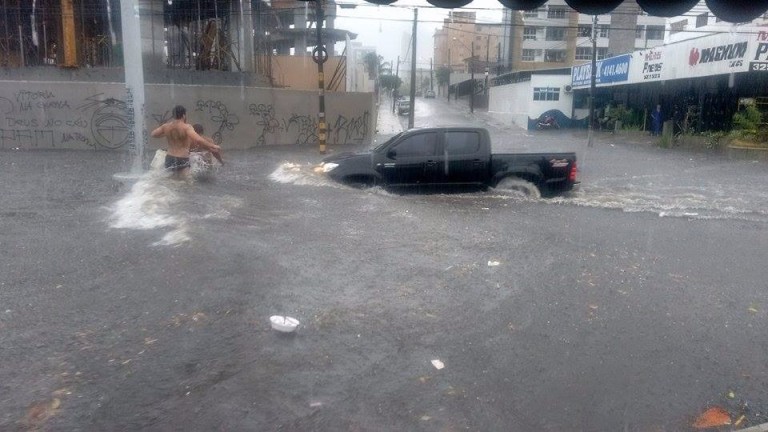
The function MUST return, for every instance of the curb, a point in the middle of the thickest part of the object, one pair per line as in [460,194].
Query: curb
[759,428]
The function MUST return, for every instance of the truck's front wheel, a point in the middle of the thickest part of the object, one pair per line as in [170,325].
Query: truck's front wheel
[519,186]
[360,182]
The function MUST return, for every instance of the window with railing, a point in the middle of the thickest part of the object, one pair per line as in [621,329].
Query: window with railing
[654,33]
[602,30]
[555,56]
[529,55]
[555,34]
[531,13]
[584,53]
[557,12]
[585,30]
[639,32]
[529,33]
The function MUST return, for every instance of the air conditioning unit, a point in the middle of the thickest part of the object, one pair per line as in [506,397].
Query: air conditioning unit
[568,88]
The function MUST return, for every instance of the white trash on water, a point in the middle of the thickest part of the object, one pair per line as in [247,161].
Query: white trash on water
[438,364]
[284,324]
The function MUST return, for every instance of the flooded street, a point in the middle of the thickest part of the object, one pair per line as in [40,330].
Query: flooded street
[631,304]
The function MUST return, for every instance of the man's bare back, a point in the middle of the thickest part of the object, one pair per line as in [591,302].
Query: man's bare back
[180,137]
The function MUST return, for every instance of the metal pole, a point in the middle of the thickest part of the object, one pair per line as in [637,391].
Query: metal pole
[134,77]
[395,92]
[21,46]
[431,86]
[448,87]
[593,72]
[487,49]
[413,70]
[319,56]
[472,78]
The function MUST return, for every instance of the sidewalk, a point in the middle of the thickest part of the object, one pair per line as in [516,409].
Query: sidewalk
[388,123]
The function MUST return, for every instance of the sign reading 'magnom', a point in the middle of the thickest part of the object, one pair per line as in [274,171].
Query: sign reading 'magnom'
[712,55]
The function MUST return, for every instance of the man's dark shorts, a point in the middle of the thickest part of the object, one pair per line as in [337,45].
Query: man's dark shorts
[175,163]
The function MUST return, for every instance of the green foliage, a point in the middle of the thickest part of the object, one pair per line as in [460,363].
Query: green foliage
[390,81]
[443,75]
[665,141]
[748,119]
[713,139]
[372,62]
[630,119]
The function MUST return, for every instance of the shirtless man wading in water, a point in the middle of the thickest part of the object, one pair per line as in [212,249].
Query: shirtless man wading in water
[181,136]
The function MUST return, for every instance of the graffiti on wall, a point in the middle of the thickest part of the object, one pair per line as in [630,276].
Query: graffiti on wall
[219,115]
[45,115]
[41,119]
[350,130]
[23,126]
[111,120]
[344,130]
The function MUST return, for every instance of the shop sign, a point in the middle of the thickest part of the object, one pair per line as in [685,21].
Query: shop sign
[652,65]
[610,70]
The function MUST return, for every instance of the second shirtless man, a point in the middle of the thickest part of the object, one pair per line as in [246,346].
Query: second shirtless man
[181,136]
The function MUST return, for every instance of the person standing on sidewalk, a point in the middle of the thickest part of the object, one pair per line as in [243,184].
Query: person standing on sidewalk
[657,119]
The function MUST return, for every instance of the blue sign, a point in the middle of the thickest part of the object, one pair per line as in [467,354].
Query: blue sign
[610,70]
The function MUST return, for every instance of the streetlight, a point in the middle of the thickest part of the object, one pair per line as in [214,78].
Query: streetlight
[471,76]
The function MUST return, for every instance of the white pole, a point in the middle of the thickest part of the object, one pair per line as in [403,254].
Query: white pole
[134,78]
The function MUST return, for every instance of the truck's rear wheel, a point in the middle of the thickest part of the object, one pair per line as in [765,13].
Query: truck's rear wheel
[516,185]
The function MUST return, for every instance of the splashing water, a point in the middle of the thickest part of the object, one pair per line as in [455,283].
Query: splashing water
[155,201]
[148,205]
[303,175]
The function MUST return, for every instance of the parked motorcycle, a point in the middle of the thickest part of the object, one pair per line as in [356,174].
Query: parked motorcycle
[548,122]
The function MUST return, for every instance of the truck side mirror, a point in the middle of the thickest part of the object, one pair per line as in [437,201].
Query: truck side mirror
[391,154]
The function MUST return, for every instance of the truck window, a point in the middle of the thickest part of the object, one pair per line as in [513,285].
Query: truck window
[417,145]
[462,143]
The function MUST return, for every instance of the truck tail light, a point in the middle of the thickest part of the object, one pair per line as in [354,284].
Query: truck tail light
[572,174]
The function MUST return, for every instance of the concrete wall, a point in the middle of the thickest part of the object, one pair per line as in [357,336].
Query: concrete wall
[90,115]
[511,102]
[514,102]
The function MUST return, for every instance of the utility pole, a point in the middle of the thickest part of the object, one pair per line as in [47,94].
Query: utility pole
[413,70]
[593,72]
[134,78]
[396,92]
[320,56]
[450,69]
[487,49]
[472,78]
[431,87]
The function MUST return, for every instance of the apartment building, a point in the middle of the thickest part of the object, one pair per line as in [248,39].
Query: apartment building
[556,36]
[700,21]
[460,36]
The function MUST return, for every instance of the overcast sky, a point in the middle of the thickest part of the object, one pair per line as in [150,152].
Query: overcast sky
[387,28]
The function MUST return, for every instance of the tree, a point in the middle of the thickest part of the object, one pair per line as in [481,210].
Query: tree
[372,63]
[390,81]
[443,76]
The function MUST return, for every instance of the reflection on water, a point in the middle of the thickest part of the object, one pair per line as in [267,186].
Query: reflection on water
[708,201]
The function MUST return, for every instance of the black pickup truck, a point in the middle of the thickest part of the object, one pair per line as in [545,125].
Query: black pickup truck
[452,156]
